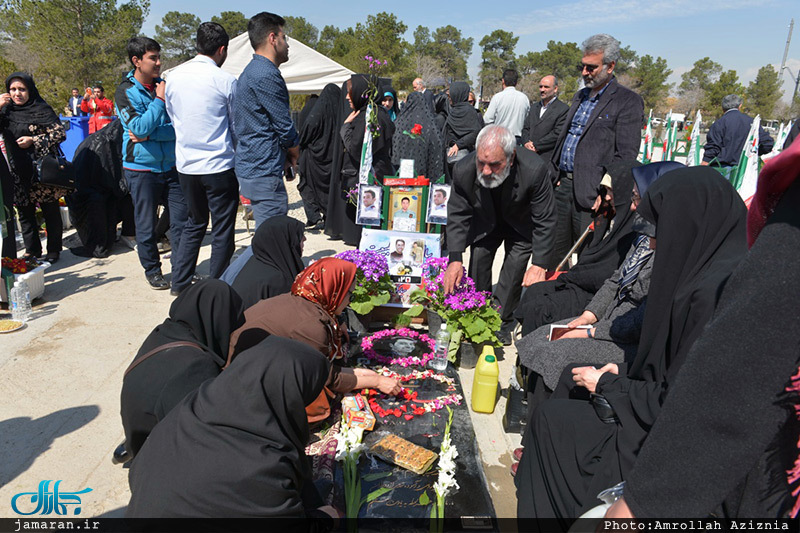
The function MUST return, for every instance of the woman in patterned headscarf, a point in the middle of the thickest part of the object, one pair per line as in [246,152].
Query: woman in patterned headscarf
[309,313]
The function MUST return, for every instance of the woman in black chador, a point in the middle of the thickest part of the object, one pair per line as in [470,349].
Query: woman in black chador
[318,138]
[576,448]
[426,149]
[236,446]
[188,348]
[276,260]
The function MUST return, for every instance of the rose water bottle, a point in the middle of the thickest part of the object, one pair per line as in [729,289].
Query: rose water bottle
[439,361]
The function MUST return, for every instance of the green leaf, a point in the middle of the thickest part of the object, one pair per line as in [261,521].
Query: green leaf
[415,310]
[424,499]
[379,475]
[375,494]
[361,308]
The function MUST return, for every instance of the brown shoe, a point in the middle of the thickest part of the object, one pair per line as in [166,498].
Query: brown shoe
[518,454]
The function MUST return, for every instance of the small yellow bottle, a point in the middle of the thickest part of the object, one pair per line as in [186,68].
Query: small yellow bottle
[484,383]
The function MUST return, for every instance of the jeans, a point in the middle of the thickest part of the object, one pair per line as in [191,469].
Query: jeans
[217,195]
[572,220]
[273,200]
[148,190]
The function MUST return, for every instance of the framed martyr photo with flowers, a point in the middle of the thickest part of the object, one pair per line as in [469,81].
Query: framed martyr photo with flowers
[405,254]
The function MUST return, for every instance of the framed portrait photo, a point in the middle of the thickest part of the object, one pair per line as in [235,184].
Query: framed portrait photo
[438,196]
[368,212]
[405,208]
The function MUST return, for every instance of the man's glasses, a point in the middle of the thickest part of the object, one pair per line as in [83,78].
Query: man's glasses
[588,68]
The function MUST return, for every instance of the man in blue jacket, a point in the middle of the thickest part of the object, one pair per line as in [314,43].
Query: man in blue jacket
[148,155]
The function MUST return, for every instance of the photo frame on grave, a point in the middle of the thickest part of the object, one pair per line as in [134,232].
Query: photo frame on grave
[404,207]
[368,210]
[405,253]
[438,197]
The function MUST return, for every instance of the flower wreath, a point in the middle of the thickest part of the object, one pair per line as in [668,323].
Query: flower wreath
[370,353]
[421,406]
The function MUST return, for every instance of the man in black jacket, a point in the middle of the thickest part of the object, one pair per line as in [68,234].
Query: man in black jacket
[603,125]
[545,120]
[500,195]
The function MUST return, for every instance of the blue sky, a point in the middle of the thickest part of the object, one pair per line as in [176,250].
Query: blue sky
[743,35]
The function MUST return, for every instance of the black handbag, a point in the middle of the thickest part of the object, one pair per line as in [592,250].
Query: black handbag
[53,169]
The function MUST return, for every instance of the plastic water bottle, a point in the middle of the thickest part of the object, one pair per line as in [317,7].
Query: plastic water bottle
[20,300]
[484,383]
[439,361]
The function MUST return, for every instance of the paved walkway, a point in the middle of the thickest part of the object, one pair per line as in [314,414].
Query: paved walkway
[60,379]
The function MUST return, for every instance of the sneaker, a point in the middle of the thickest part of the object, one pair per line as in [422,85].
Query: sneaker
[130,242]
[157,282]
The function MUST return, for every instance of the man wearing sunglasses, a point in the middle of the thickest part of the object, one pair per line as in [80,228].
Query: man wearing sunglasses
[603,125]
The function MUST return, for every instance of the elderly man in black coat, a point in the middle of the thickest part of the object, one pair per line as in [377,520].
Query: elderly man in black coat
[500,195]
[603,125]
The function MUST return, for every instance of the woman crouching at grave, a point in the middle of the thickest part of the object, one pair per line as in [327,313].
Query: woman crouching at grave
[188,348]
[236,446]
[309,313]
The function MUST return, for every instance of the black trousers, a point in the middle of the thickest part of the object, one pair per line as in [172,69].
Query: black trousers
[571,221]
[30,228]
[509,285]
[10,242]
[216,195]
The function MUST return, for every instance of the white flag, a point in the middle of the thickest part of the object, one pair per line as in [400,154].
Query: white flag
[365,167]
[693,159]
[746,175]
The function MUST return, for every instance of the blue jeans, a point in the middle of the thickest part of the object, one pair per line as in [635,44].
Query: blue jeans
[217,195]
[272,200]
[148,190]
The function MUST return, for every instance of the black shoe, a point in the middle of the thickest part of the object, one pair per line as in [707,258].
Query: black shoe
[198,277]
[121,455]
[504,337]
[52,257]
[157,282]
[312,223]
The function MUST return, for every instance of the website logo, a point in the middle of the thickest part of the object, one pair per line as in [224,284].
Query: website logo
[47,502]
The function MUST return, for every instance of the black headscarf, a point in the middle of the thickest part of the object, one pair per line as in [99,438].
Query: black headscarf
[34,111]
[276,260]
[462,120]
[426,152]
[206,314]
[384,90]
[645,175]
[236,447]
[309,105]
[441,108]
[605,252]
[700,239]
[359,87]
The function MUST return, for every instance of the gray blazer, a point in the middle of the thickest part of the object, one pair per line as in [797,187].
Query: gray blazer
[613,133]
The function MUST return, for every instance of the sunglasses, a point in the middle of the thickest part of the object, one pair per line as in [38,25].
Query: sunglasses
[588,68]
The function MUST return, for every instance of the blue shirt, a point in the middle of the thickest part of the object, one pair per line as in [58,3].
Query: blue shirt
[576,127]
[263,126]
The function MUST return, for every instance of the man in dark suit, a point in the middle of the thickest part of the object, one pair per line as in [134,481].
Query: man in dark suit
[419,86]
[604,124]
[500,195]
[545,120]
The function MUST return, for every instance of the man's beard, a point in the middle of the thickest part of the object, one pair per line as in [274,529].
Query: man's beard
[496,180]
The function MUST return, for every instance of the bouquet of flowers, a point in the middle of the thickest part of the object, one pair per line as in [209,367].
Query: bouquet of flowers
[373,284]
[469,313]
[375,67]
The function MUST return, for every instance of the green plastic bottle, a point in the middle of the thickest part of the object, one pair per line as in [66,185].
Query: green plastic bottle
[484,382]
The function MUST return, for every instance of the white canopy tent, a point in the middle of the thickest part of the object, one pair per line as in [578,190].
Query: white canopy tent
[306,72]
